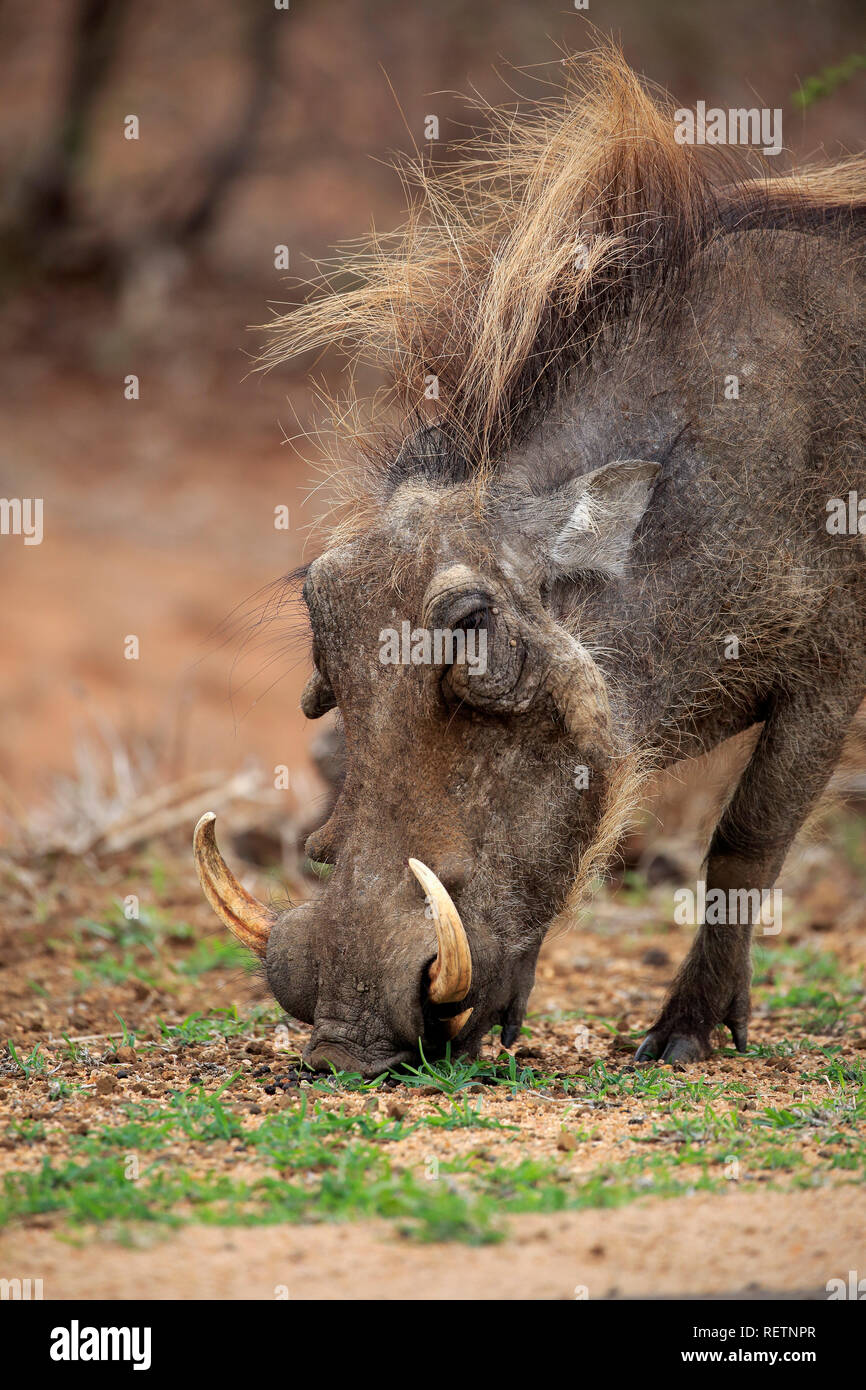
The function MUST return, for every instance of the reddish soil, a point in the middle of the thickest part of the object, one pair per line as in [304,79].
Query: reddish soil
[774,1243]
[596,984]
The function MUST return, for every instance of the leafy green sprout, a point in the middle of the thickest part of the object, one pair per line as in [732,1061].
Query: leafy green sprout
[36,1064]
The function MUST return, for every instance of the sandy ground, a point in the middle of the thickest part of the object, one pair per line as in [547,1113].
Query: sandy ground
[741,1245]
[597,985]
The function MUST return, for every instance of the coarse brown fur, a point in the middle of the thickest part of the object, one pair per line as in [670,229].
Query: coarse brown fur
[598,499]
[484,288]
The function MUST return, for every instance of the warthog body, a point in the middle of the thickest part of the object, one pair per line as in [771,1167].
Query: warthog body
[626,487]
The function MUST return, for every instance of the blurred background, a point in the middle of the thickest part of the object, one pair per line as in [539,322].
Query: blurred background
[258,127]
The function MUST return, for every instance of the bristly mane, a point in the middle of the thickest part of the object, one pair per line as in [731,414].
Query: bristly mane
[554,228]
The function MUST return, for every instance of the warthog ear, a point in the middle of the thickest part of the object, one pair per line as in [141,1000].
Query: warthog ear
[589,521]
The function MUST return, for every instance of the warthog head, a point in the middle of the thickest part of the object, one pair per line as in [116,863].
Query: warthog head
[471,783]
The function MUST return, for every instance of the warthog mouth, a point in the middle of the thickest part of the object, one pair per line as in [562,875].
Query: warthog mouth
[449,976]
[324,1053]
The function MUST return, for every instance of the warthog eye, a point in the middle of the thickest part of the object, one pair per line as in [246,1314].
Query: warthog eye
[494,658]
[476,620]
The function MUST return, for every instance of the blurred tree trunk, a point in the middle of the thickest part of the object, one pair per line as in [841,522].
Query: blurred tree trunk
[45,228]
[46,206]
[224,165]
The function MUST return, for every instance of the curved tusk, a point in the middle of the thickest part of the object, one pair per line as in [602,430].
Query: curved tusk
[455,1025]
[245,918]
[451,971]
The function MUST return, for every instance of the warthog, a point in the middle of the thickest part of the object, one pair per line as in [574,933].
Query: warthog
[648,382]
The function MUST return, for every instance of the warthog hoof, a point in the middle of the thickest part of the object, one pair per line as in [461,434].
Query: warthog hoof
[661,1046]
[669,1044]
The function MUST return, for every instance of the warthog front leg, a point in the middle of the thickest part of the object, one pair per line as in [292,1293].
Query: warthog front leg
[712,986]
[793,760]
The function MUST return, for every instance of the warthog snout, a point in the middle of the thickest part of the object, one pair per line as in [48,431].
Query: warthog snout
[357,1036]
